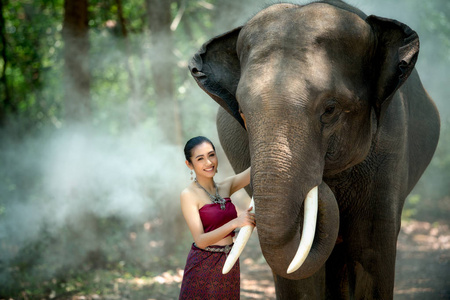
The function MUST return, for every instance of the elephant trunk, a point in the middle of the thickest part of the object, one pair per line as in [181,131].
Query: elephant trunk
[280,187]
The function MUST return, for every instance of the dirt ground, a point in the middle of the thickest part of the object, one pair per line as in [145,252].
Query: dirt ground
[423,261]
[422,270]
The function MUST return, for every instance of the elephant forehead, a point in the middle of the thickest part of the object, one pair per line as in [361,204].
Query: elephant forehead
[295,29]
[318,44]
[278,75]
[313,75]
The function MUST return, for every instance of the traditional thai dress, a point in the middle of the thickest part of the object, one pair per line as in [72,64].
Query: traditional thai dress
[203,278]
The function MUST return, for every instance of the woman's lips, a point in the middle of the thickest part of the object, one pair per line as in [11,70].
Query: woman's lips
[209,169]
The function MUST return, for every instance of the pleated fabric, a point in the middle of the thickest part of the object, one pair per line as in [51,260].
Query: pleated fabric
[203,278]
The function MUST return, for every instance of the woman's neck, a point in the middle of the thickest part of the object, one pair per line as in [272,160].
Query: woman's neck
[207,183]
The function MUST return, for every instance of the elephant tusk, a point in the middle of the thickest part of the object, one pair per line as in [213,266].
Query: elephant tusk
[241,240]
[308,232]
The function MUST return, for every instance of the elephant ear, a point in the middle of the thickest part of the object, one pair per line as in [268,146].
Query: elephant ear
[397,49]
[216,69]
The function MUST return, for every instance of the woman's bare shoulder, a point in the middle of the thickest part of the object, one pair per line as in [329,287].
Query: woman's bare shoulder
[186,192]
[188,195]
[189,199]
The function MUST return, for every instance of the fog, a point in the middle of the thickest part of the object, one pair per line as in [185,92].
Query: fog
[62,180]
[58,181]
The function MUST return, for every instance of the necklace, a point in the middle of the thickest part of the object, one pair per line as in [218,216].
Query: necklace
[216,198]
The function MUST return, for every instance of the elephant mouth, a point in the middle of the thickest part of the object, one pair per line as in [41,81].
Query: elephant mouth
[306,242]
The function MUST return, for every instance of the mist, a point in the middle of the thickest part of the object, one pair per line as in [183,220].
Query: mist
[61,182]
[65,179]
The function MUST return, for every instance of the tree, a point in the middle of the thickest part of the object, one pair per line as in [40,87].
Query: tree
[6,104]
[76,57]
[163,66]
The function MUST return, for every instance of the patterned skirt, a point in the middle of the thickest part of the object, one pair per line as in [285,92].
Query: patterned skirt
[203,278]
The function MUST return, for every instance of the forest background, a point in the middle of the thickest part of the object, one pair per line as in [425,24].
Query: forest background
[96,103]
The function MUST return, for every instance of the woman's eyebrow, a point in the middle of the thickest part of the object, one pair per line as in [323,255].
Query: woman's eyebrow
[207,154]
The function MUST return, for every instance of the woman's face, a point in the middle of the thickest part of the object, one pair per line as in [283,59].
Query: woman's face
[204,160]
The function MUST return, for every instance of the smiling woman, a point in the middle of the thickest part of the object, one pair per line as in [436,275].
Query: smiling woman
[212,218]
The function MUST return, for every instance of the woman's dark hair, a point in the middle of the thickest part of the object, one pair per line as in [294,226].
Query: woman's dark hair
[194,142]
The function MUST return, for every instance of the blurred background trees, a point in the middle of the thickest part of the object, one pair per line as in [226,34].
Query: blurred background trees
[96,94]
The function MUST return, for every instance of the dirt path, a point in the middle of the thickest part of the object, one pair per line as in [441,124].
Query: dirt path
[423,262]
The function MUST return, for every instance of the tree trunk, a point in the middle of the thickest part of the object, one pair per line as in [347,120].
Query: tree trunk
[76,58]
[5,100]
[135,103]
[163,64]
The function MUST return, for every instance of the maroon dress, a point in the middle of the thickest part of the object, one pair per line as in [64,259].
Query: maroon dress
[203,278]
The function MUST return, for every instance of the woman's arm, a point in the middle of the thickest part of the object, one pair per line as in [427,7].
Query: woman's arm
[191,214]
[238,181]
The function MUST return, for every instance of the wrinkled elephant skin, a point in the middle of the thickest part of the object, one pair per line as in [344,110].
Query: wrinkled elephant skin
[323,95]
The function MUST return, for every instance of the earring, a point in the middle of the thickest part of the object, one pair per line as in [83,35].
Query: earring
[217,171]
[192,175]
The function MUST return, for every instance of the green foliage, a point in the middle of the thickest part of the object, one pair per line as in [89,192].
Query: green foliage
[120,66]
[33,36]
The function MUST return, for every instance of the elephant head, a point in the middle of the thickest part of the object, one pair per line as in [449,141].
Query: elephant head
[310,84]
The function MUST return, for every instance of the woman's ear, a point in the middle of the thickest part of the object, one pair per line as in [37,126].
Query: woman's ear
[397,49]
[188,164]
[217,70]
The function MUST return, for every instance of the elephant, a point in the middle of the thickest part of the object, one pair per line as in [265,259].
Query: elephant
[322,95]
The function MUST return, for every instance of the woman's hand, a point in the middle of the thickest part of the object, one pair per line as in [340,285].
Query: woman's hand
[245,218]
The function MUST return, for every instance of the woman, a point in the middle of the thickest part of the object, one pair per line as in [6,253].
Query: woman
[212,219]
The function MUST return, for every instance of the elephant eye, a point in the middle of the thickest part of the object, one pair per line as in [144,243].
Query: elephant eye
[330,109]
[330,114]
